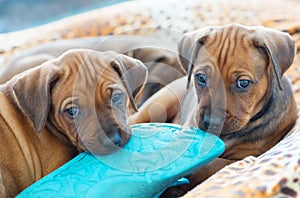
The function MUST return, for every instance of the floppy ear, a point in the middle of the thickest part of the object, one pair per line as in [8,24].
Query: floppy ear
[32,93]
[133,74]
[188,48]
[280,48]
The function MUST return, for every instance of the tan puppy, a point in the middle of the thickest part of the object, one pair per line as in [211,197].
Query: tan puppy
[237,91]
[76,102]
[239,83]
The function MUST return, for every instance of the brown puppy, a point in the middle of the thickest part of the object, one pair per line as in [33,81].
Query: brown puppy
[241,92]
[237,92]
[76,102]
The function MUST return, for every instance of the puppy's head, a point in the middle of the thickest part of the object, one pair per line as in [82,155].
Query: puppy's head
[234,70]
[83,97]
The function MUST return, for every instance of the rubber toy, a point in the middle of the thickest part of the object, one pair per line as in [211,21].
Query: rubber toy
[157,156]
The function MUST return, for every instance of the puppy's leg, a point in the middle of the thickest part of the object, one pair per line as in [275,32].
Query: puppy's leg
[163,105]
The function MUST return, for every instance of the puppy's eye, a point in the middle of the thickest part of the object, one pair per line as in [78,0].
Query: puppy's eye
[243,84]
[201,79]
[117,98]
[73,112]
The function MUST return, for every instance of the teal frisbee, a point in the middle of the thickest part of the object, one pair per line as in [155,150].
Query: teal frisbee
[157,156]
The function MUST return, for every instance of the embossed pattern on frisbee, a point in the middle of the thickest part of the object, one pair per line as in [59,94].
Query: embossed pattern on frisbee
[157,155]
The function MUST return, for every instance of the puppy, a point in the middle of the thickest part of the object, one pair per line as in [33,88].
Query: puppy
[77,102]
[241,92]
[237,90]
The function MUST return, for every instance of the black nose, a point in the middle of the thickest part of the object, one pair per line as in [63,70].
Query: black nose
[213,124]
[116,138]
[206,121]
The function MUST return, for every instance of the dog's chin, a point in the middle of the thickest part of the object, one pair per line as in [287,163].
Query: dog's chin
[231,133]
[210,130]
[98,143]
[224,132]
[97,148]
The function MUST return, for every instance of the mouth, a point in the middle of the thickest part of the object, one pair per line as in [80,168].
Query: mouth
[246,131]
[216,129]
[222,132]
[99,149]
[212,130]
[227,127]
[230,135]
[104,144]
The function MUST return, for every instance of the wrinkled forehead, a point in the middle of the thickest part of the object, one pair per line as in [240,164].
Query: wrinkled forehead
[87,70]
[93,80]
[97,86]
[228,49]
